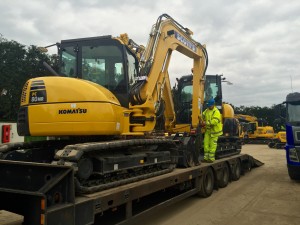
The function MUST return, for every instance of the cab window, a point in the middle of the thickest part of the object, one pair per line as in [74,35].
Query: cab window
[68,65]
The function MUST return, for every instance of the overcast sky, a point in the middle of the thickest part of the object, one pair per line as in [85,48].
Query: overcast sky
[255,44]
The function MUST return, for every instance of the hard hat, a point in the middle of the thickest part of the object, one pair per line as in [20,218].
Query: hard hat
[210,102]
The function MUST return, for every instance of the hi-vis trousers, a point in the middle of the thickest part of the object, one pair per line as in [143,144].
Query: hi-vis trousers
[210,146]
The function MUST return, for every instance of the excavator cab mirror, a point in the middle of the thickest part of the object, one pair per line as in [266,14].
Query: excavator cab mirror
[42,49]
[45,49]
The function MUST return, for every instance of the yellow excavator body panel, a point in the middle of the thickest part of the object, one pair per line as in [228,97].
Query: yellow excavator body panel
[228,111]
[56,109]
[281,135]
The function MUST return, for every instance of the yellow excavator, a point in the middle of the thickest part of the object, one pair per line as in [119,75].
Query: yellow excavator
[107,111]
[254,131]
[279,140]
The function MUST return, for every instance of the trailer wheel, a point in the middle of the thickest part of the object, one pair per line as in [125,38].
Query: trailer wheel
[236,173]
[224,176]
[207,185]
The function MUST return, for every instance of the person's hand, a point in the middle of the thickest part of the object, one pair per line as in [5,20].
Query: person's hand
[207,124]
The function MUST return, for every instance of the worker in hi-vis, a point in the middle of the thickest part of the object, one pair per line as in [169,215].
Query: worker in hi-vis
[213,129]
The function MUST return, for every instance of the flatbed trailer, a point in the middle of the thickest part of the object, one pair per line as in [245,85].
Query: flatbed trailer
[45,194]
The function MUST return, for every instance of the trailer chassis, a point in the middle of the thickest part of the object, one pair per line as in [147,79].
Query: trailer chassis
[45,193]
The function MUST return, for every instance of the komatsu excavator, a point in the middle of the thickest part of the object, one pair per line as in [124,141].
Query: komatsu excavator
[108,109]
[254,131]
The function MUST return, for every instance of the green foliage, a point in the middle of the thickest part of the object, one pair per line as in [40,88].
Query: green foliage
[18,63]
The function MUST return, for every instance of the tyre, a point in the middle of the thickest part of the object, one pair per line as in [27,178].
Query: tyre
[224,176]
[207,185]
[294,173]
[236,172]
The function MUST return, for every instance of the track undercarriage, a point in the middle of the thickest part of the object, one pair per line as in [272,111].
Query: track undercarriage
[228,146]
[275,143]
[100,165]
[257,140]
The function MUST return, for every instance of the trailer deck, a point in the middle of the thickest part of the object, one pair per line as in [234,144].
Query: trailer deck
[44,193]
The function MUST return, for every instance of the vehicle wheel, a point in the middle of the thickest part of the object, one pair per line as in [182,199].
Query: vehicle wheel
[207,185]
[294,174]
[224,176]
[85,168]
[236,173]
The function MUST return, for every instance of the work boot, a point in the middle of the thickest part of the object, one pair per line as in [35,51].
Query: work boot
[210,161]
[203,160]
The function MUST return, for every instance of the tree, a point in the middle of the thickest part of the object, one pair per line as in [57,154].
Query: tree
[18,63]
[267,114]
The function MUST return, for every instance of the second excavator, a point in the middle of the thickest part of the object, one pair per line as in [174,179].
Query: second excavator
[254,131]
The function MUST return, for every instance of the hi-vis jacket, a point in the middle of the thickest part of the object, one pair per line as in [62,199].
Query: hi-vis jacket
[213,122]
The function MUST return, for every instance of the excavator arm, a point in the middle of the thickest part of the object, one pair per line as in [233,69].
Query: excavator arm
[245,118]
[152,91]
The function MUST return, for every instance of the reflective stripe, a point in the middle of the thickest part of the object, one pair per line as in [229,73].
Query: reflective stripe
[218,132]
[216,119]
[206,156]
[212,157]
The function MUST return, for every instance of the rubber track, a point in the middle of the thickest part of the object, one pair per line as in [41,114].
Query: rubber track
[87,190]
[99,146]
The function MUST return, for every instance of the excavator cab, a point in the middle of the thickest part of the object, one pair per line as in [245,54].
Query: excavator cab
[184,94]
[228,143]
[102,60]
